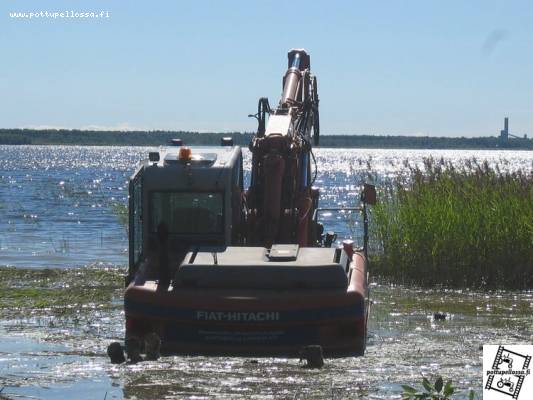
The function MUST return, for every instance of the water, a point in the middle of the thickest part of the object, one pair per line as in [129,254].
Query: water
[57,202]
[57,209]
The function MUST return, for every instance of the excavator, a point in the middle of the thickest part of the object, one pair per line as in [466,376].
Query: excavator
[216,268]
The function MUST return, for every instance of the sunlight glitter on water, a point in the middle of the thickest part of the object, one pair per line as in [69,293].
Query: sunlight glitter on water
[56,209]
[57,202]
[63,353]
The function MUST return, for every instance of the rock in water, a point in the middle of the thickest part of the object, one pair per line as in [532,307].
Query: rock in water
[438,316]
[133,349]
[152,346]
[313,355]
[115,353]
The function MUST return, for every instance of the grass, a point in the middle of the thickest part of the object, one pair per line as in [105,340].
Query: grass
[462,226]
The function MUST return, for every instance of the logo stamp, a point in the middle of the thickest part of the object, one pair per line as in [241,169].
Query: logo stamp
[506,372]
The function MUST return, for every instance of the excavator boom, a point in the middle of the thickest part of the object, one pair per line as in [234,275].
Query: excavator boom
[280,200]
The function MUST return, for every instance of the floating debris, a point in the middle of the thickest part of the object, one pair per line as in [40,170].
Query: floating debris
[438,316]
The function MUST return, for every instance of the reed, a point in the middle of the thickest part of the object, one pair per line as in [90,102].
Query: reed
[468,226]
[120,210]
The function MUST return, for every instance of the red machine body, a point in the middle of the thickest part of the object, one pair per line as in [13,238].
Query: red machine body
[215,268]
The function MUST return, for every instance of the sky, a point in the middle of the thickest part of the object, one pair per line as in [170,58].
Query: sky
[435,68]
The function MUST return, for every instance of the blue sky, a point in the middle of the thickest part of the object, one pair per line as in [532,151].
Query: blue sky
[437,68]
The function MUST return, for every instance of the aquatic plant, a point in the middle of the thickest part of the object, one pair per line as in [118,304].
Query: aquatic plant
[58,292]
[436,391]
[120,210]
[467,225]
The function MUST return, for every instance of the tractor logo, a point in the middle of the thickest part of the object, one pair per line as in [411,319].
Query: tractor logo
[507,372]
[507,383]
[505,359]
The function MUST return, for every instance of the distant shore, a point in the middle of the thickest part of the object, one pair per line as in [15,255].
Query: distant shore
[156,138]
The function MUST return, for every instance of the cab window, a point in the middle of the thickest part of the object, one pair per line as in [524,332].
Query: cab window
[187,212]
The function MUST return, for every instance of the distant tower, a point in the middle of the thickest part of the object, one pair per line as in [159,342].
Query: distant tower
[504,135]
[506,125]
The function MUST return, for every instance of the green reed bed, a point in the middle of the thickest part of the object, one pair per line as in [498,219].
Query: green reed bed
[468,225]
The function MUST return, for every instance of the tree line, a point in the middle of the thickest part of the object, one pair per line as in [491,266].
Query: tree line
[156,138]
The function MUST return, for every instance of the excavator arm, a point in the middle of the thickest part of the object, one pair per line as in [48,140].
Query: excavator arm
[281,201]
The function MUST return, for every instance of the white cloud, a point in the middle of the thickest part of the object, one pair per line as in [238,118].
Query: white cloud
[122,126]
[43,127]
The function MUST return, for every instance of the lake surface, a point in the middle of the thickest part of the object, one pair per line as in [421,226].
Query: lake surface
[58,209]
[58,203]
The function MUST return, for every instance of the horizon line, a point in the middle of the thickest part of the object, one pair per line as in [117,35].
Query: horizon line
[133,130]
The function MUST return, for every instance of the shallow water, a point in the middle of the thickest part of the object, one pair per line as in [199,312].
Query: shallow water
[64,355]
[56,210]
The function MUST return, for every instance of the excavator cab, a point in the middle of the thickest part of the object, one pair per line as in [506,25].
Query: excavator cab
[194,196]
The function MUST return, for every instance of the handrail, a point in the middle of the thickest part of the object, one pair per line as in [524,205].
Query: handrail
[317,210]
[365,221]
